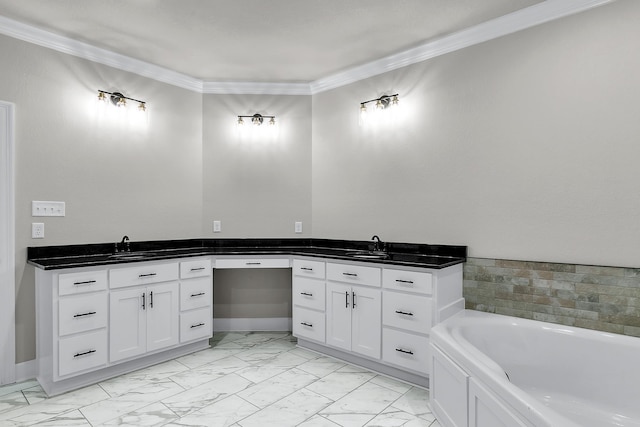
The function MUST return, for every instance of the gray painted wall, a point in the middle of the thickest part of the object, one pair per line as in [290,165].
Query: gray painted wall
[524,147]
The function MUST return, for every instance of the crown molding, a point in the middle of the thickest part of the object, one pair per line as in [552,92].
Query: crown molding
[256,88]
[498,27]
[83,50]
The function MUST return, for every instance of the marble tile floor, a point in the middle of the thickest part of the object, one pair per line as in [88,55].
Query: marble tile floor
[244,380]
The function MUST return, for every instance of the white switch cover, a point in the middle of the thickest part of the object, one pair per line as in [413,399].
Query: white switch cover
[47,208]
[298,227]
[217,226]
[37,230]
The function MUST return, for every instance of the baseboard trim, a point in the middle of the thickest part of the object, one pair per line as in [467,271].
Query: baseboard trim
[26,370]
[252,324]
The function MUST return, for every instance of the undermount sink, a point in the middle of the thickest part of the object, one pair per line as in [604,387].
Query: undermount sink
[369,254]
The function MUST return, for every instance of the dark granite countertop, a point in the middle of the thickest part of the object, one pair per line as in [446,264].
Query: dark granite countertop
[407,254]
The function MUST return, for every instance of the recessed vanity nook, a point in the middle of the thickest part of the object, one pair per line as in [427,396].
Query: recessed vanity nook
[102,311]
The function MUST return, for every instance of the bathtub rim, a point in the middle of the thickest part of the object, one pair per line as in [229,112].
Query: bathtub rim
[490,374]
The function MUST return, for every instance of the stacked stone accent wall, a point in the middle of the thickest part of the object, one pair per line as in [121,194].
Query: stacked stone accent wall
[601,298]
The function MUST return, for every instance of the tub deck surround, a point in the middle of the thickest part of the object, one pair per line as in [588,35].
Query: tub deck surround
[491,369]
[407,254]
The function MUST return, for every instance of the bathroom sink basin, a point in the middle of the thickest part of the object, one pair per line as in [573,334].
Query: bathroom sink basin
[369,255]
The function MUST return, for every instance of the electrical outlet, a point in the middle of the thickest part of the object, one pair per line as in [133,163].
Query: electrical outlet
[217,226]
[37,230]
[298,227]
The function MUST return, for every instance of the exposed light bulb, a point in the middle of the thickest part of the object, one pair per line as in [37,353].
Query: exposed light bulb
[379,105]
[240,121]
[122,103]
[102,97]
[394,101]
[272,121]
[142,107]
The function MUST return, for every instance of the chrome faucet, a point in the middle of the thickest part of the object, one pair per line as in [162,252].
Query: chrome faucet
[124,244]
[378,245]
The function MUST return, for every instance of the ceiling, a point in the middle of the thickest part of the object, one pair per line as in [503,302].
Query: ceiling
[257,41]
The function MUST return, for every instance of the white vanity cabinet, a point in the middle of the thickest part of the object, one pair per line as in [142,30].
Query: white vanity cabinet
[196,300]
[376,315]
[353,308]
[308,299]
[97,322]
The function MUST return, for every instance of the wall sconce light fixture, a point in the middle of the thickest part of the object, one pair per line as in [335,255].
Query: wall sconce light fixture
[119,100]
[385,101]
[257,119]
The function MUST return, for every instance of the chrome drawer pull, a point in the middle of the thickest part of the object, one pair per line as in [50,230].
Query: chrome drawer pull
[346,299]
[306,294]
[404,351]
[404,312]
[306,268]
[307,324]
[151,299]
[197,269]
[353,300]
[350,274]
[197,295]
[197,325]
[84,353]
[409,282]
[84,314]
[252,263]
[147,275]
[144,305]
[86,282]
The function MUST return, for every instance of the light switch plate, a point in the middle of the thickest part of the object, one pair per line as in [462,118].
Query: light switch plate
[298,227]
[217,226]
[39,208]
[37,230]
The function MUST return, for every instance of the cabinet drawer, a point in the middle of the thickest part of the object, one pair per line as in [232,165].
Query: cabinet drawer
[361,275]
[406,311]
[406,350]
[253,263]
[195,268]
[411,281]
[195,293]
[308,324]
[308,293]
[82,313]
[143,274]
[303,267]
[86,281]
[79,353]
[195,325]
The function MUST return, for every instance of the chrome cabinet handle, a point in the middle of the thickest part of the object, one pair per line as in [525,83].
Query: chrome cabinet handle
[306,294]
[252,263]
[197,325]
[350,274]
[151,299]
[84,353]
[307,324]
[353,299]
[86,282]
[406,313]
[147,275]
[84,314]
[306,268]
[409,282]
[346,299]
[197,295]
[404,351]
[144,296]
[197,269]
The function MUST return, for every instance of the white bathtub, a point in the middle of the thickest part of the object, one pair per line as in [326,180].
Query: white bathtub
[492,370]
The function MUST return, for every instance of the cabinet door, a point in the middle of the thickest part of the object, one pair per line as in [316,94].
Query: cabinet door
[338,316]
[366,321]
[127,325]
[162,316]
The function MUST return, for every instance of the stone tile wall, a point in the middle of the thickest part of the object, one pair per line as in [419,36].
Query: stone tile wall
[601,298]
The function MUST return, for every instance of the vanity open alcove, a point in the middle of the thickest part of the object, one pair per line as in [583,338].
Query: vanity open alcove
[101,314]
